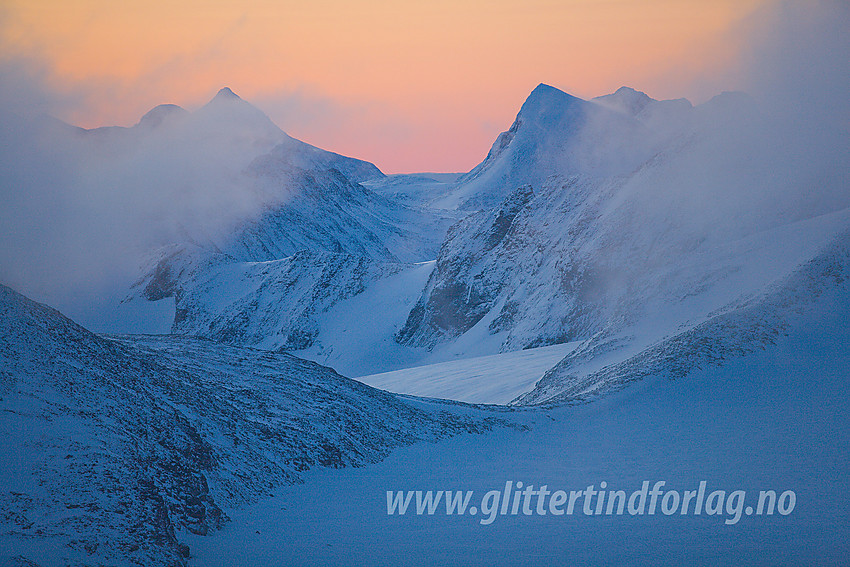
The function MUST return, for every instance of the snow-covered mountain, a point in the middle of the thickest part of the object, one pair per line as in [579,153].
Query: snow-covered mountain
[280,195]
[553,133]
[305,212]
[580,255]
[117,447]
[619,221]
[718,212]
[95,204]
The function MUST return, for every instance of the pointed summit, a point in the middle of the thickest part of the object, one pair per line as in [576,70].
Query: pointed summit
[547,108]
[228,101]
[547,120]
[225,97]
[545,97]
[229,114]
[543,90]
[226,94]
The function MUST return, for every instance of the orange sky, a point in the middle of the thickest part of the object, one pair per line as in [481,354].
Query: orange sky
[422,85]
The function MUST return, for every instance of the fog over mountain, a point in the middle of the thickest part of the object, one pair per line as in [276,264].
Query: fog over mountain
[623,288]
[89,207]
[72,232]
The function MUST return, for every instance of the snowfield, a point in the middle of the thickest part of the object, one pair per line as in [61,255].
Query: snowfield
[494,379]
[775,419]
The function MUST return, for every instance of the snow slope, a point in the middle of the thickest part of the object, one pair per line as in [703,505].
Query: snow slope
[115,448]
[745,325]
[494,379]
[323,210]
[775,418]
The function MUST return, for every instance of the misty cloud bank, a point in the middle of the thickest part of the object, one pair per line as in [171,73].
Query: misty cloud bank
[82,209]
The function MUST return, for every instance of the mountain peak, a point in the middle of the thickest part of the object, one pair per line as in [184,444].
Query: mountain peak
[626,99]
[629,91]
[226,94]
[544,94]
[229,113]
[546,100]
[226,98]
[159,114]
[543,88]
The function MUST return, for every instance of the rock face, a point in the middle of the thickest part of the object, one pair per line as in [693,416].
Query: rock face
[121,444]
[520,266]
[454,299]
[275,303]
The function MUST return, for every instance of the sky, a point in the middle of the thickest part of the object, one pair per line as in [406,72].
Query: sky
[419,85]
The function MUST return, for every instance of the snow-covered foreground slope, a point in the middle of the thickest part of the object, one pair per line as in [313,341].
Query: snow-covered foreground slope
[493,379]
[775,419]
[115,448]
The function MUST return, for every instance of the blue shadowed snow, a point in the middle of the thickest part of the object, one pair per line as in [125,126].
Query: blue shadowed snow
[776,419]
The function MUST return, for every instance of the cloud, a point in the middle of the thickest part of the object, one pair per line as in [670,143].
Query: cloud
[741,164]
[83,209]
[796,59]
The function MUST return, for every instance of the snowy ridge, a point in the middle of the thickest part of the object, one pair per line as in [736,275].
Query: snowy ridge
[738,329]
[323,210]
[554,134]
[422,189]
[123,444]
